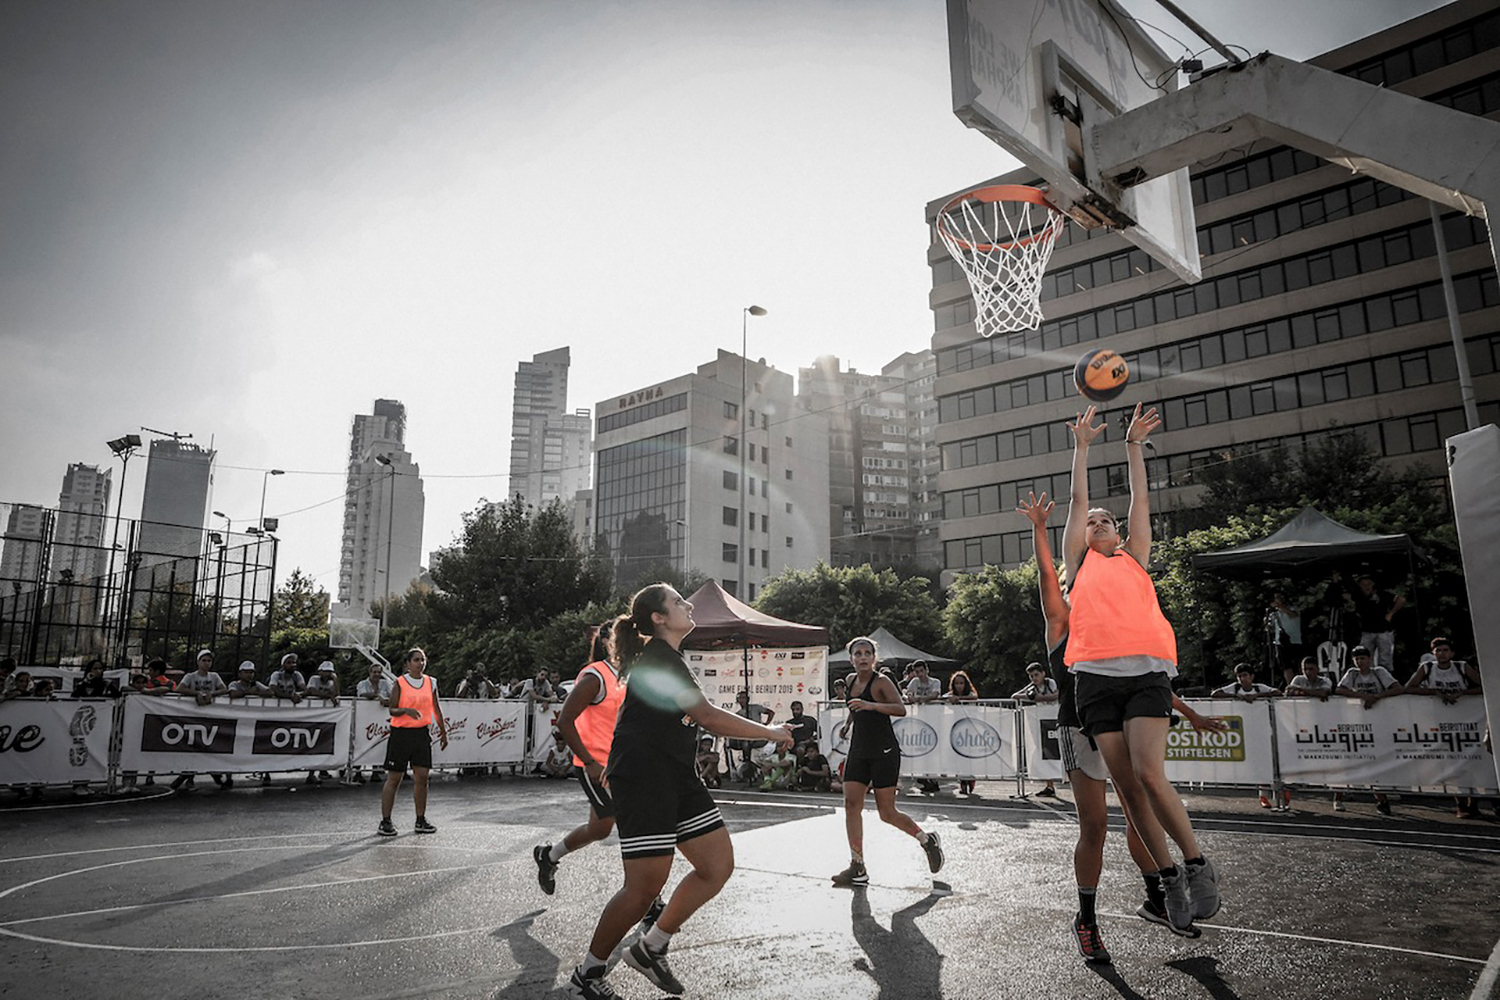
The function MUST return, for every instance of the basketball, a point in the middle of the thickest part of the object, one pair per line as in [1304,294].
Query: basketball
[1101,375]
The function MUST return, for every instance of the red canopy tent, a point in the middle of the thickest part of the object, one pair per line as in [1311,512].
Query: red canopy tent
[724,622]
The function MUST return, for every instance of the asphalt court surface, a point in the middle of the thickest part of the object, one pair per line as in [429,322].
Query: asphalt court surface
[272,893]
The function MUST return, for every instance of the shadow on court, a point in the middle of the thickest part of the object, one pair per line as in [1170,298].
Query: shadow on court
[901,960]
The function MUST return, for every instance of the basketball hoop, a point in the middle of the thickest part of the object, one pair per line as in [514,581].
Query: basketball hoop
[1002,237]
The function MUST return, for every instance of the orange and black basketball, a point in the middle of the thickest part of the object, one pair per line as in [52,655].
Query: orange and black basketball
[1101,375]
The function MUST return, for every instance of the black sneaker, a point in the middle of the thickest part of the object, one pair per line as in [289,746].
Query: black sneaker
[934,853]
[1090,944]
[1047,792]
[1383,807]
[1156,913]
[423,826]
[386,829]
[653,965]
[590,985]
[855,874]
[546,868]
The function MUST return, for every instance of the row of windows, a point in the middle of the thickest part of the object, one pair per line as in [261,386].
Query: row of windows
[1396,246]
[732,482]
[1477,98]
[1252,172]
[731,553]
[1350,319]
[639,474]
[1397,436]
[1430,53]
[1325,385]
[645,411]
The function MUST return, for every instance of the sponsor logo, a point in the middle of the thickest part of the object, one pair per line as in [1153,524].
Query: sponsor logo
[814,690]
[300,739]
[799,656]
[377,731]
[187,734]
[765,671]
[710,672]
[780,656]
[695,656]
[780,670]
[916,737]
[495,729]
[1050,749]
[1437,739]
[1187,744]
[974,738]
[79,728]
[23,740]
[1342,737]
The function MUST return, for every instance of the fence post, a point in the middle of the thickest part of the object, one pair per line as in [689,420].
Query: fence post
[1276,785]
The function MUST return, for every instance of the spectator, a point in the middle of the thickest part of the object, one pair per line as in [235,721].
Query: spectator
[20,686]
[44,688]
[204,685]
[1376,609]
[157,681]
[375,686]
[7,674]
[559,762]
[1443,676]
[1368,684]
[287,681]
[554,678]
[707,761]
[923,687]
[1245,687]
[776,767]
[94,684]
[538,689]
[1289,674]
[325,683]
[1286,623]
[813,772]
[1041,690]
[749,768]
[960,688]
[474,685]
[245,685]
[1310,683]
[840,690]
[804,727]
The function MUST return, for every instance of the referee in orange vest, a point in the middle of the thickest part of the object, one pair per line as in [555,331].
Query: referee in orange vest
[414,708]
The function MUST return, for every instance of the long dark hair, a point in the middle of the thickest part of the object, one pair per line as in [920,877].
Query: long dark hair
[410,655]
[631,631]
[959,675]
[599,649]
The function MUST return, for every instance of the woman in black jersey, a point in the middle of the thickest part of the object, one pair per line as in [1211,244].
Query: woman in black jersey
[661,805]
[874,761]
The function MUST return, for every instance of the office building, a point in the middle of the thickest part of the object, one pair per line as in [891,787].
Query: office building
[1320,307]
[549,447]
[384,504]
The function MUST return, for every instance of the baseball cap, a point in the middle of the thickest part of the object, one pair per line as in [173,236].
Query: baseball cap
[289,656]
[204,652]
[325,666]
[1360,651]
[247,665]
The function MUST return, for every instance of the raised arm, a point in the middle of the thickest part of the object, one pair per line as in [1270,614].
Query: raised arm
[1075,539]
[1138,545]
[1054,608]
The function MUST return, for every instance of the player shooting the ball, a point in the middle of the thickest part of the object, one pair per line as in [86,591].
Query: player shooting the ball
[1122,654]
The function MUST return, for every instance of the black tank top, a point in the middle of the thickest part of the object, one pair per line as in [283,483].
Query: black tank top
[873,735]
[1067,709]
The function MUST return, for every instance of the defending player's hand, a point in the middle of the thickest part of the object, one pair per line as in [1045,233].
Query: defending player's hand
[1084,431]
[1142,424]
[782,736]
[1036,510]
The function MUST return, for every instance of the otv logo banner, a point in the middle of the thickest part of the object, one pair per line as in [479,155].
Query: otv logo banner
[54,742]
[964,741]
[176,734]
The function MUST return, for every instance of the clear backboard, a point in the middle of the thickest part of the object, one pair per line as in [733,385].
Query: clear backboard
[352,633]
[1033,75]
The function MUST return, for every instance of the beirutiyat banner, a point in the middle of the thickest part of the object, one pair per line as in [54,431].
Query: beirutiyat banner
[966,741]
[479,732]
[1406,742]
[55,742]
[177,734]
[777,677]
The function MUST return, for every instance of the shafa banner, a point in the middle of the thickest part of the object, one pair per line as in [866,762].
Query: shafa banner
[1405,742]
[479,732]
[961,741]
[54,742]
[774,677]
[178,734]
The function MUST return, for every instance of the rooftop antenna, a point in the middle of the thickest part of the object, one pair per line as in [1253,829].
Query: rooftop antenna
[171,434]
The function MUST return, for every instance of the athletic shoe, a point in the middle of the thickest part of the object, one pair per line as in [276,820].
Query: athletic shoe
[386,829]
[1265,803]
[1090,944]
[1179,906]
[1047,793]
[854,875]
[1383,807]
[546,868]
[1203,888]
[265,781]
[1338,805]
[590,985]
[1154,912]
[653,965]
[423,826]
[934,853]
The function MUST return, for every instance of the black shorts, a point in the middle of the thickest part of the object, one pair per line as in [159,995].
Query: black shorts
[654,814]
[408,746]
[599,800]
[1104,702]
[877,772]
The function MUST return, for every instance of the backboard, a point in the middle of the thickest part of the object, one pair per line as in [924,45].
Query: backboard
[352,633]
[1033,75]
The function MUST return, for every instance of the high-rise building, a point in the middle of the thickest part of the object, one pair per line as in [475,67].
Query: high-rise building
[916,372]
[78,541]
[384,505]
[669,488]
[174,508]
[21,558]
[549,447]
[1320,311]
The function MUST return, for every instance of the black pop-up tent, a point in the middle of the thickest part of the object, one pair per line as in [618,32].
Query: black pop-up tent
[1306,540]
[895,653]
[723,622]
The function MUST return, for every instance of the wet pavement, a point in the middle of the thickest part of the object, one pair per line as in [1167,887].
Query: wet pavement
[280,893]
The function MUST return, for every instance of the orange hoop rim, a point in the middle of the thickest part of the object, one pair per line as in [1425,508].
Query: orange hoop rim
[998,193]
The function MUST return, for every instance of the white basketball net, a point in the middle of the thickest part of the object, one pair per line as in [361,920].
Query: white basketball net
[1003,241]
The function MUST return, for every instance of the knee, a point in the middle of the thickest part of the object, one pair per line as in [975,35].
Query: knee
[889,813]
[1091,834]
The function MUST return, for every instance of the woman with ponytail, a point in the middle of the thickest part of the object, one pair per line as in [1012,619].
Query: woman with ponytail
[661,806]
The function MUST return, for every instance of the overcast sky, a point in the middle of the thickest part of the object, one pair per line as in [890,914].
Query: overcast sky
[246,221]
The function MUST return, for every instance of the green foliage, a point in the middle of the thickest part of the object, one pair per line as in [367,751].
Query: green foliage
[856,600]
[310,645]
[994,623]
[300,604]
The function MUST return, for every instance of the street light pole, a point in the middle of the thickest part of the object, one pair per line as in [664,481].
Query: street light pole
[390,515]
[123,448]
[263,480]
[745,315]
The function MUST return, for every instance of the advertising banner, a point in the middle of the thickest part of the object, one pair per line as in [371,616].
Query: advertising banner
[963,741]
[178,734]
[479,732]
[54,742]
[543,721]
[1043,758]
[63,678]
[1408,742]
[777,677]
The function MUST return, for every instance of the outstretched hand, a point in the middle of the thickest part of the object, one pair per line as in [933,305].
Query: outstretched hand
[1036,510]
[1142,424]
[1084,431]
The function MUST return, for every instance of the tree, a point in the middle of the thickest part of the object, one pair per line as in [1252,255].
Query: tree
[300,603]
[993,623]
[856,600]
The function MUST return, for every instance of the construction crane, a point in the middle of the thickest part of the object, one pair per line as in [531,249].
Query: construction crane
[170,434]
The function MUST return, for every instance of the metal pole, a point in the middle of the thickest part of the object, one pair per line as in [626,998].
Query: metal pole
[113,545]
[1460,353]
[744,584]
[390,520]
[1198,30]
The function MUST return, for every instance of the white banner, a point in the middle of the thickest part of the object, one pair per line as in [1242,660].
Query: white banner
[64,678]
[961,741]
[479,732]
[543,721]
[1043,756]
[777,677]
[177,734]
[1406,742]
[55,742]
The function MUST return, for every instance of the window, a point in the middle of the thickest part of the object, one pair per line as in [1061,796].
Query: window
[765,488]
[731,481]
[752,451]
[788,508]
[731,552]
[751,491]
[788,442]
[731,587]
[751,413]
[731,410]
[731,516]
[765,558]
[788,541]
[789,475]
[752,520]
[752,592]
[731,445]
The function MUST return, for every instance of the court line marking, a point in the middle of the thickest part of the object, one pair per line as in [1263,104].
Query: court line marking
[358,838]
[1328,940]
[120,801]
[1484,988]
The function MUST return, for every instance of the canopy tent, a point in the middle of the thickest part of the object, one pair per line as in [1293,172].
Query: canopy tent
[895,653]
[721,621]
[1307,539]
